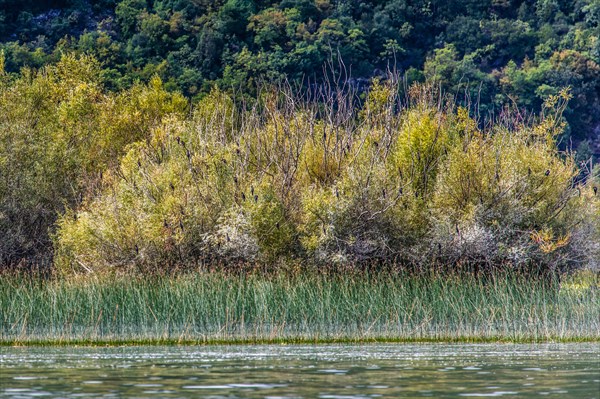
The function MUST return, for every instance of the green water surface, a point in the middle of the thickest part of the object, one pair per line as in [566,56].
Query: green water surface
[303,371]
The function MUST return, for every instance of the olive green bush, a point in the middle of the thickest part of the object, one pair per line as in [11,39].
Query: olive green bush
[506,196]
[409,182]
[379,208]
[60,130]
[194,192]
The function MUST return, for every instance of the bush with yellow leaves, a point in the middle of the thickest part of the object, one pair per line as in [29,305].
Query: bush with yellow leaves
[59,132]
[416,183]
[507,195]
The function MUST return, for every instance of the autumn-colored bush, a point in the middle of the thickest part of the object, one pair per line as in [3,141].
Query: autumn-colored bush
[508,196]
[414,182]
[60,130]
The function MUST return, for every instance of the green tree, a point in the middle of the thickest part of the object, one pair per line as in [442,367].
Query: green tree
[127,13]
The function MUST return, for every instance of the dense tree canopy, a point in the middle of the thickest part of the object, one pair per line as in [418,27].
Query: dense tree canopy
[496,51]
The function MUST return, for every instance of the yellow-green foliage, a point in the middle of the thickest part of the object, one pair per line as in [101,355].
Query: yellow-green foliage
[272,228]
[130,115]
[178,198]
[59,131]
[378,207]
[155,209]
[419,183]
[323,155]
[508,195]
[508,171]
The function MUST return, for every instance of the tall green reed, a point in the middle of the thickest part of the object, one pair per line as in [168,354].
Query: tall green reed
[219,308]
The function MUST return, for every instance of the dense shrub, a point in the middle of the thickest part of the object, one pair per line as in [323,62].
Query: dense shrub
[416,183]
[196,191]
[506,196]
[59,131]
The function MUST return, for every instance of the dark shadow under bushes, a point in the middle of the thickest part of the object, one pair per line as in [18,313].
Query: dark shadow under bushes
[327,183]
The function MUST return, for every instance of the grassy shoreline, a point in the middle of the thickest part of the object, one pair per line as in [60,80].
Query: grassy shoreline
[250,309]
[299,341]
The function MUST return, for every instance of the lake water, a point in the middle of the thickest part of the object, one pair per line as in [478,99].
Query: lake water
[304,371]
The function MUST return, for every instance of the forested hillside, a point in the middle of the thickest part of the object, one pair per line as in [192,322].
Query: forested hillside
[495,51]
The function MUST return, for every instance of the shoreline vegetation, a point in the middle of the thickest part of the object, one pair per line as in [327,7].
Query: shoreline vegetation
[292,216]
[183,171]
[217,308]
[143,182]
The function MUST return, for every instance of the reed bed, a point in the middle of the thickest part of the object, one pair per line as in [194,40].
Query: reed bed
[221,308]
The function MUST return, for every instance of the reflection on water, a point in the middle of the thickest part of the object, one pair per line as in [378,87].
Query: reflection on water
[303,371]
